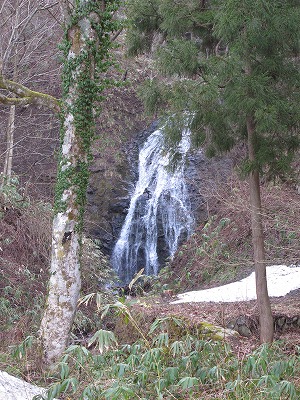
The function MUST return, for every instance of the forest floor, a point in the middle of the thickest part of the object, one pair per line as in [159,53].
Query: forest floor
[285,309]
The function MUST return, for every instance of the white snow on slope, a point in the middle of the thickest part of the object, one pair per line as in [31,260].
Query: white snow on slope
[12,388]
[281,280]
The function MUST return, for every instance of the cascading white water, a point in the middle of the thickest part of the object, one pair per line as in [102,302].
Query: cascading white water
[159,214]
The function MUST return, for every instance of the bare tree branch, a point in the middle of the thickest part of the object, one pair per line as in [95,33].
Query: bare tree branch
[116,35]
[26,96]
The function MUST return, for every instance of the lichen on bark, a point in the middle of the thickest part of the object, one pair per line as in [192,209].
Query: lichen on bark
[85,55]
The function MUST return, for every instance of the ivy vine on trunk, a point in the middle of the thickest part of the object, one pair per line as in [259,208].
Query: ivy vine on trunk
[89,28]
[86,55]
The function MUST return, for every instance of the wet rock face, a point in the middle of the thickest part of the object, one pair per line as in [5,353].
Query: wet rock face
[203,176]
[109,193]
[109,196]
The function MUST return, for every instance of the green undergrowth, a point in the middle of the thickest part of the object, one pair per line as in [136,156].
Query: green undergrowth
[161,365]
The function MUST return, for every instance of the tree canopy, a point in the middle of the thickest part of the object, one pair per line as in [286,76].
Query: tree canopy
[222,60]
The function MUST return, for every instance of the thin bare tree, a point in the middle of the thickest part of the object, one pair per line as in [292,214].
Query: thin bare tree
[25,56]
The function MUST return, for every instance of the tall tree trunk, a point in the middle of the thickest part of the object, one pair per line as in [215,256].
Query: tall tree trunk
[7,170]
[86,46]
[65,281]
[263,301]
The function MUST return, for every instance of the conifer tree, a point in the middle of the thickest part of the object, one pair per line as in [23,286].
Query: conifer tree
[235,68]
[261,92]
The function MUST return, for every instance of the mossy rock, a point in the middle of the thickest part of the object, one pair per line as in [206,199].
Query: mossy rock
[214,332]
[176,327]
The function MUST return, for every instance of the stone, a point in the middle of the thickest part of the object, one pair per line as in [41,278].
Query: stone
[280,322]
[215,332]
[12,388]
[243,330]
[244,325]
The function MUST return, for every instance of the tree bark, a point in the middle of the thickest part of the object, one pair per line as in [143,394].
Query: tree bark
[65,281]
[263,301]
[7,170]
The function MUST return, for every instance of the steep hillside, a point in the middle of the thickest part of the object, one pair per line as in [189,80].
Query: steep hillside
[221,249]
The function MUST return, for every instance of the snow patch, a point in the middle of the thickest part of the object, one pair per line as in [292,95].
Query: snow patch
[12,388]
[281,280]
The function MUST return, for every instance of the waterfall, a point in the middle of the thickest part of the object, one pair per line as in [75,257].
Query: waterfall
[159,216]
